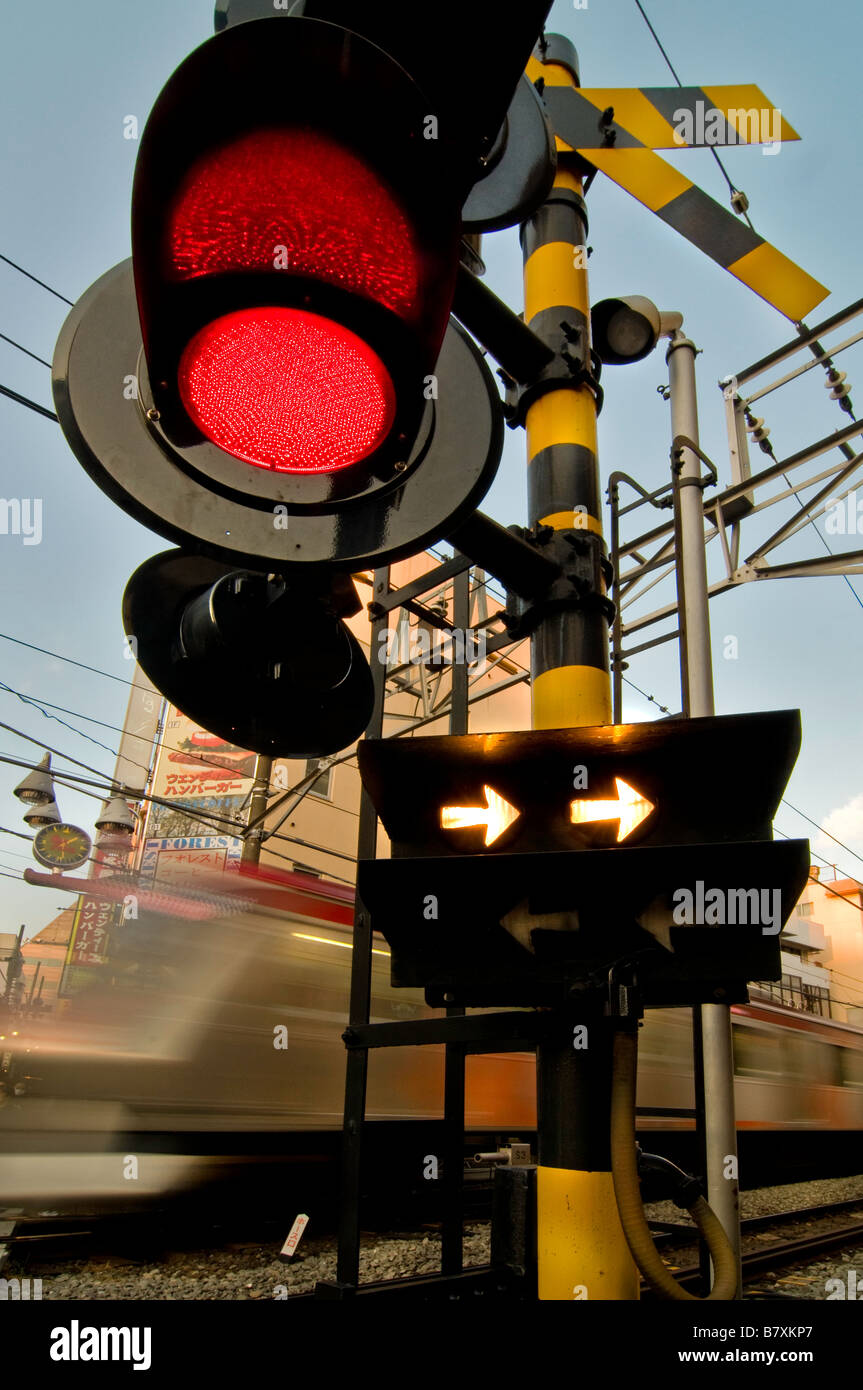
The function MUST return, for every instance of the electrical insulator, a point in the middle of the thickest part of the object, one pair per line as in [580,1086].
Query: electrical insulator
[755,426]
[837,385]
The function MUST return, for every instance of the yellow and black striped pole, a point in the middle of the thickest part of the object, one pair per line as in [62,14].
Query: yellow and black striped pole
[582,1252]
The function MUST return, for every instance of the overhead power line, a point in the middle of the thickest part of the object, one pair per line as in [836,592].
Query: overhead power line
[34,704]
[713,151]
[19,641]
[35,278]
[25,400]
[26,350]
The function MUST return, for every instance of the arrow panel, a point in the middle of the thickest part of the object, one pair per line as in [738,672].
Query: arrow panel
[582,789]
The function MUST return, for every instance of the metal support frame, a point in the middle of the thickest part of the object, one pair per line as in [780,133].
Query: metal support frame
[643,562]
[680,547]
[452,1234]
[356,1075]
[711,1022]
[461,1034]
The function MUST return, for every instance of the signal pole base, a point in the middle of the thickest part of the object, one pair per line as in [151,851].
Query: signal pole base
[581,1249]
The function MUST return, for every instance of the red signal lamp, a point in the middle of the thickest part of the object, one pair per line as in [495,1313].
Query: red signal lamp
[295,244]
[286,389]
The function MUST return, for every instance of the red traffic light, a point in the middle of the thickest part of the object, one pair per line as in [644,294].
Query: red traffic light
[295,392]
[295,242]
[286,389]
[296,200]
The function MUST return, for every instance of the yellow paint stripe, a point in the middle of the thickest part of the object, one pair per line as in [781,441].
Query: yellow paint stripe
[778,280]
[563,416]
[645,175]
[565,178]
[581,1249]
[572,697]
[572,521]
[748,97]
[551,277]
[634,112]
[554,74]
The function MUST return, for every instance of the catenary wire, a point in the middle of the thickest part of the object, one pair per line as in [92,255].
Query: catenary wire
[680,84]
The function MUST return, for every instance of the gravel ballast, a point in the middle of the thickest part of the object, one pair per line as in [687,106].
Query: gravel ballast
[253,1271]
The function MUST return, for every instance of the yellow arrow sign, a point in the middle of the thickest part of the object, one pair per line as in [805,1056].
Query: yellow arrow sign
[630,809]
[497,816]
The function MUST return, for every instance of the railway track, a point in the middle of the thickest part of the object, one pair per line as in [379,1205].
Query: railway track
[29,1239]
[777,1254]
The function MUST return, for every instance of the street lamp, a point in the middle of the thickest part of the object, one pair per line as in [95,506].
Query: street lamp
[44,812]
[116,818]
[37,788]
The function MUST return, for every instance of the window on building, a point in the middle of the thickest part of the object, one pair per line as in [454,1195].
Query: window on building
[791,991]
[322,786]
[804,909]
[816,999]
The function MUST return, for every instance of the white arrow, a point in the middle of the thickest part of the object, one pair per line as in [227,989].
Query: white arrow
[520,922]
[630,809]
[497,816]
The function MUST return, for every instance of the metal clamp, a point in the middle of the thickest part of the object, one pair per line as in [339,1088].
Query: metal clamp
[574,364]
[623,1002]
[584,575]
[678,444]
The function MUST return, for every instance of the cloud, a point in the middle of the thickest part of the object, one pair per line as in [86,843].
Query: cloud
[846,823]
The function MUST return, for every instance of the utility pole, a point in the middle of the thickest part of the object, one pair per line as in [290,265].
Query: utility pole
[257,807]
[14,966]
[579,1236]
[697,682]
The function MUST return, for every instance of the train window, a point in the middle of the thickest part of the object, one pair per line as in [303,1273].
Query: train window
[832,1064]
[814,1061]
[665,1040]
[852,1067]
[757,1053]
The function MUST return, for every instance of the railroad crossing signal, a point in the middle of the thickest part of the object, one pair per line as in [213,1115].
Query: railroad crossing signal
[617,130]
[264,662]
[663,858]
[274,381]
[294,258]
[284,385]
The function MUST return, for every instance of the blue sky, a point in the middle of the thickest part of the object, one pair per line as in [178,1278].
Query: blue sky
[70,74]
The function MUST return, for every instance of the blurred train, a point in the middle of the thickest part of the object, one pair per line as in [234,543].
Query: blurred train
[214,1035]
